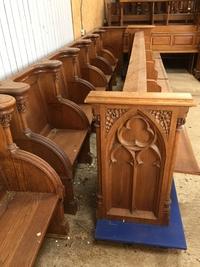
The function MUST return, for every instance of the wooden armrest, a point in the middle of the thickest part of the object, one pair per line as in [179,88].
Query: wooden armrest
[67,114]
[102,64]
[185,159]
[95,76]
[109,56]
[49,151]
[13,88]
[79,89]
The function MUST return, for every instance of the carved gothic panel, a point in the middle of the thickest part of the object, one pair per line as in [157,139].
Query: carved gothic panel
[137,157]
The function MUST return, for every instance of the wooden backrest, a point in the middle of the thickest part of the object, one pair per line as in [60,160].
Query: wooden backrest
[70,65]
[36,109]
[93,47]
[46,83]
[83,57]
[99,41]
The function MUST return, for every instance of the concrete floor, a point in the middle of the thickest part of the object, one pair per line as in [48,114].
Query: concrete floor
[80,249]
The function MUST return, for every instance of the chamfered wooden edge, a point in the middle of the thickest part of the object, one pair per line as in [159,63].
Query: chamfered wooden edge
[47,64]
[141,98]
[91,36]
[13,88]
[83,42]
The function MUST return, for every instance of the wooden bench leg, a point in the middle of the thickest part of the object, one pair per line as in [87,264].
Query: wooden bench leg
[85,155]
[70,203]
[58,225]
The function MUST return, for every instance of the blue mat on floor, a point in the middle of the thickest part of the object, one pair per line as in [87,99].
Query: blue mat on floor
[171,236]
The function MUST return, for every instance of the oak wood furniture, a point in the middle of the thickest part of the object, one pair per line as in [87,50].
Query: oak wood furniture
[48,125]
[87,71]
[76,88]
[150,12]
[139,135]
[102,51]
[31,196]
[142,77]
[98,60]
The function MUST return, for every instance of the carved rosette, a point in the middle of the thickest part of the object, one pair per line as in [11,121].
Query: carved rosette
[163,118]
[180,123]
[21,106]
[5,120]
[113,115]
[21,103]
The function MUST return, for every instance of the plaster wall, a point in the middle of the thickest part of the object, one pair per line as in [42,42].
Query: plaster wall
[92,15]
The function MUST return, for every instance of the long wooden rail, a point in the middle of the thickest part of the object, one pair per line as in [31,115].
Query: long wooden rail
[136,77]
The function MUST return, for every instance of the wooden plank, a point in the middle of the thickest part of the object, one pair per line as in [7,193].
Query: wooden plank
[139,98]
[136,77]
[70,141]
[185,158]
[23,226]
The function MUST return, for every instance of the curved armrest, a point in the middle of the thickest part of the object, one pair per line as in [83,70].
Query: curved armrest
[109,56]
[103,65]
[49,151]
[66,114]
[95,76]
[38,175]
[79,89]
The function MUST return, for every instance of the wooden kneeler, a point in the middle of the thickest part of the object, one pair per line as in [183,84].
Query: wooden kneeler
[31,196]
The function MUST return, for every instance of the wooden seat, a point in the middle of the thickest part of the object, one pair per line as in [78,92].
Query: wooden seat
[46,117]
[23,226]
[70,141]
[31,196]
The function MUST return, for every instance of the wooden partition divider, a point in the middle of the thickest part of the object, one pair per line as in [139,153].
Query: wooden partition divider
[141,141]
[137,136]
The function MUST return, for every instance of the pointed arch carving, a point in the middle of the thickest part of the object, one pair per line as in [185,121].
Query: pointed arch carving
[137,152]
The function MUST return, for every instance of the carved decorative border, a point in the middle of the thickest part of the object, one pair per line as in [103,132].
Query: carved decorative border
[112,115]
[5,120]
[163,118]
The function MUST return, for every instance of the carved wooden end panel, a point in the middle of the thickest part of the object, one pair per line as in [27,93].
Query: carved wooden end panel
[136,150]
[136,155]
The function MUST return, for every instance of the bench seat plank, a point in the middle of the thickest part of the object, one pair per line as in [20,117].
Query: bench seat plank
[69,140]
[24,223]
[185,159]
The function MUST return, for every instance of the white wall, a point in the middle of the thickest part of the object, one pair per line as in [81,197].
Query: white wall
[30,30]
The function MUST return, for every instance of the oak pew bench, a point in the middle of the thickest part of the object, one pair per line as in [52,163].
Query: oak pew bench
[31,196]
[48,125]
